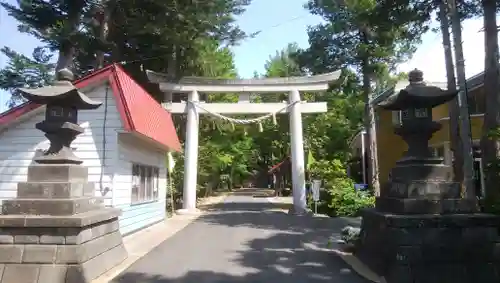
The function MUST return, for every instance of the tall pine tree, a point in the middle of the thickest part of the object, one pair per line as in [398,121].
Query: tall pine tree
[360,35]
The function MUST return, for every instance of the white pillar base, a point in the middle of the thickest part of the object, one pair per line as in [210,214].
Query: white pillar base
[301,212]
[187,211]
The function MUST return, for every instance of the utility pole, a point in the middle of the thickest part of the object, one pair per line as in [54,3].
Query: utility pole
[465,130]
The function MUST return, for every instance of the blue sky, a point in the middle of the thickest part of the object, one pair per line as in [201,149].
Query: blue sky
[283,22]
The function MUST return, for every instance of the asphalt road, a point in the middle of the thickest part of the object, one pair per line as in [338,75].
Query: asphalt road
[245,239]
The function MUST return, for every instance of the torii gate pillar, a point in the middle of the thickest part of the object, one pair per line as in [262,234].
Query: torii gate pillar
[191,157]
[297,153]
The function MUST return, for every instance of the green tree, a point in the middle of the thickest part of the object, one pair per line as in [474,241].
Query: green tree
[160,35]
[56,23]
[22,71]
[357,34]
[180,38]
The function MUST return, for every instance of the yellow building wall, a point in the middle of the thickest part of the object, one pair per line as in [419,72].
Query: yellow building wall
[441,114]
[390,147]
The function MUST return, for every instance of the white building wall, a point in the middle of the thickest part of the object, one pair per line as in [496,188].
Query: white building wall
[136,216]
[97,146]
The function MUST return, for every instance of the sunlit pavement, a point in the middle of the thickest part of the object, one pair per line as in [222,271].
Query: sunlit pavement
[245,239]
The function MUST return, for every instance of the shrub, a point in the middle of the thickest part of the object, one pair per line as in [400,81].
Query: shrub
[339,198]
[350,235]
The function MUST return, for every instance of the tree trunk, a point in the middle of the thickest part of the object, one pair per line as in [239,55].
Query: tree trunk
[465,131]
[65,56]
[67,48]
[370,128]
[489,142]
[172,71]
[454,110]
[103,35]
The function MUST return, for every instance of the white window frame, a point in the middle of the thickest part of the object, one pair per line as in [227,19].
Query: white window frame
[145,183]
[478,159]
[397,118]
[447,155]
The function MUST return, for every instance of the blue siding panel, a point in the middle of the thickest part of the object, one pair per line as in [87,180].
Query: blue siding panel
[136,217]
[141,225]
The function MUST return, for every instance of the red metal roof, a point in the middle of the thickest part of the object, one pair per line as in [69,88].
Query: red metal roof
[139,112]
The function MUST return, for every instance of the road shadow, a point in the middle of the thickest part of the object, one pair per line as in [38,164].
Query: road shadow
[265,215]
[278,248]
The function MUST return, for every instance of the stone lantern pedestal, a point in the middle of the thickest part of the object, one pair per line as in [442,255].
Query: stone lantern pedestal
[56,230]
[422,230]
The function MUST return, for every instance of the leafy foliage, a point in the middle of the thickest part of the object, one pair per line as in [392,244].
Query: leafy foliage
[356,31]
[164,36]
[339,197]
[22,71]
[350,235]
[360,36]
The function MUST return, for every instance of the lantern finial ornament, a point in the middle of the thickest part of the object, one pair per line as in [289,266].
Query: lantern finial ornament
[65,75]
[416,76]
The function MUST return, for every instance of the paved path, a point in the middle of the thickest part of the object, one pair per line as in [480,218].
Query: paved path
[245,239]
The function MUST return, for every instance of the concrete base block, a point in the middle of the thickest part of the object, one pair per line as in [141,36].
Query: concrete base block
[60,254]
[63,273]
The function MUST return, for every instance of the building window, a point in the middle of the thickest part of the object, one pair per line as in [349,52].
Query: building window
[476,101]
[396,118]
[438,151]
[145,183]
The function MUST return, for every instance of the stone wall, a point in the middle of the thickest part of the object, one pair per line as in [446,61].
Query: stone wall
[455,248]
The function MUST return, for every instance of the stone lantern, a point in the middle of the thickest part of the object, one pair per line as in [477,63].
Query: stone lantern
[63,100]
[421,229]
[56,230]
[420,183]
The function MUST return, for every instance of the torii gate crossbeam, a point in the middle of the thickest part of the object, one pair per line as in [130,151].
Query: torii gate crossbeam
[292,85]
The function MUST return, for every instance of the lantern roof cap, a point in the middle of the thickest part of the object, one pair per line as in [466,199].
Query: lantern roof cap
[416,94]
[62,92]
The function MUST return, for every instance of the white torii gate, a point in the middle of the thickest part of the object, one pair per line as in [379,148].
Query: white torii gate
[193,107]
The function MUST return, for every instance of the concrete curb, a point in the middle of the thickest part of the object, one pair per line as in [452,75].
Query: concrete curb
[359,267]
[144,241]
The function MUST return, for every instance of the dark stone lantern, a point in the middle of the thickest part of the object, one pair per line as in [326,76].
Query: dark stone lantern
[421,229]
[60,126]
[415,103]
[420,183]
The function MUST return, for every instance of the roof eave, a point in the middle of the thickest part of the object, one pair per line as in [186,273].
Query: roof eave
[160,145]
